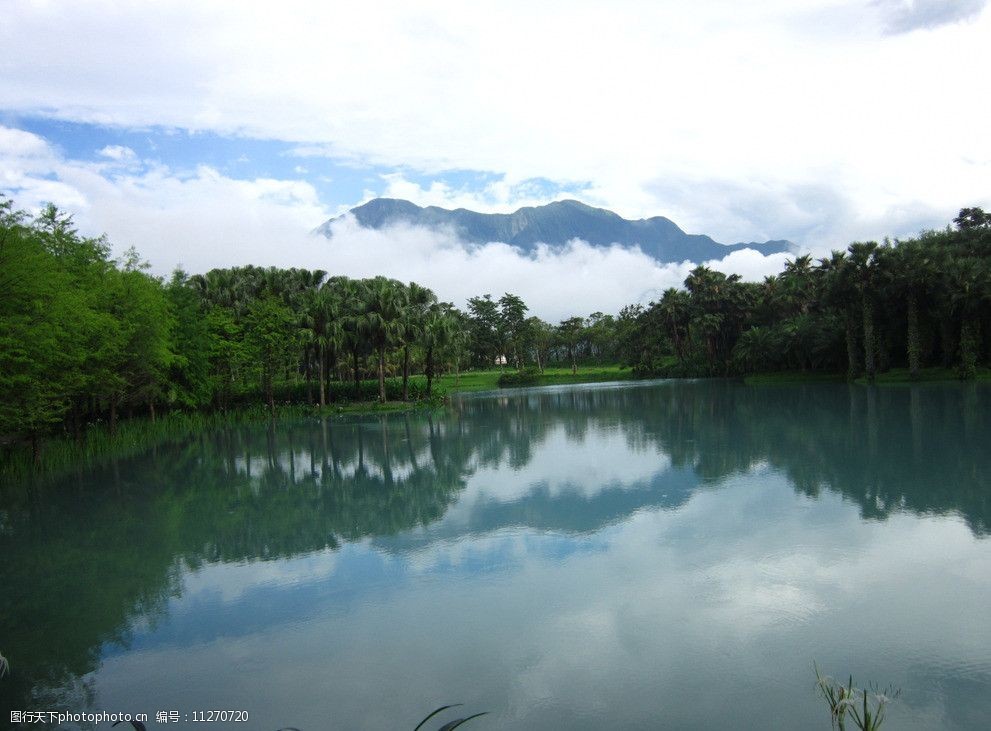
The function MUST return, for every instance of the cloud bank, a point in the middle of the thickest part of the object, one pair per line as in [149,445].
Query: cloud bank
[200,219]
[904,16]
[835,98]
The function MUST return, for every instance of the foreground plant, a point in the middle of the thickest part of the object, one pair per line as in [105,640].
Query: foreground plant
[863,706]
[450,724]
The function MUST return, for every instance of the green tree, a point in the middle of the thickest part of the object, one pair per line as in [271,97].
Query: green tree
[189,382]
[483,323]
[512,325]
[271,335]
[39,322]
[382,319]
[418,301]
[570,332]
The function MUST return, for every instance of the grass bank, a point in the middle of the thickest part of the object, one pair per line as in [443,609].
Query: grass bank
[793,377]
[62,454]
[891,377]
[926,375]
[489,380]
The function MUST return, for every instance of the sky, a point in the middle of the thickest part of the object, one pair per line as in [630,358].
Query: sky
[209,134]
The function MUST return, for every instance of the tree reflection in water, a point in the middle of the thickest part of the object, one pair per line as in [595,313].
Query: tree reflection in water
[88,558]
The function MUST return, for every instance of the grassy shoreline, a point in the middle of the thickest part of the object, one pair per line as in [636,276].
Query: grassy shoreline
[488,380]
[62,454]
[895,376]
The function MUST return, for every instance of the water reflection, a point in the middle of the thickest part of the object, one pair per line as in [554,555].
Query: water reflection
[661,496]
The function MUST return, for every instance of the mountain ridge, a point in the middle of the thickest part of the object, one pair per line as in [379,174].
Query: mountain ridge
[555,224]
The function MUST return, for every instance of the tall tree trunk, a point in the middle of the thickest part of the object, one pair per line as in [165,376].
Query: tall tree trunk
[151,409]
[270,395]
[331,370]
[429,369]
[406,373]
[870,346]
[35,449]
[946,341]
[357,376]
[308,374]
[851,349]
[970,343]
[323,387]
[914,344]
[382,375]
[676,337]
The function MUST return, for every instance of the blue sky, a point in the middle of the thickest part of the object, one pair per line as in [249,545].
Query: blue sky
[209,138]
[341,184]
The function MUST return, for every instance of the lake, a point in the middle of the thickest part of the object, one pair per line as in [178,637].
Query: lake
[666,554]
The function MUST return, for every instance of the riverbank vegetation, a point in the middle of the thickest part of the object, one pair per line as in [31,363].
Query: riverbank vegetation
[86,340]
[913,306]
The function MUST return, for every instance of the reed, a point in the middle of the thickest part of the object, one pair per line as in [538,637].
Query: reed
[864,707]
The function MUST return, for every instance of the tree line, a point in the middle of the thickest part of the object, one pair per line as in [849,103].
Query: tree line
[86,339]
[914,303]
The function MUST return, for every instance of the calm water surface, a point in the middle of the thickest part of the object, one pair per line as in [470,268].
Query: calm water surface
[665,555]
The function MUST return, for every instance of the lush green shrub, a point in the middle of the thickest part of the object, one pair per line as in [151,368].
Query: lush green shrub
[524,377]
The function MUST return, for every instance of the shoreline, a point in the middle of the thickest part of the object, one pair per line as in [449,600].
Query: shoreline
[63,454]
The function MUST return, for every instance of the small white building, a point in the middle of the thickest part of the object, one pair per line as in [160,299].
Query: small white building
[501,360]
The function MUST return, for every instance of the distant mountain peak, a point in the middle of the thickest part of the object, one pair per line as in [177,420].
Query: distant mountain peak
[554,224]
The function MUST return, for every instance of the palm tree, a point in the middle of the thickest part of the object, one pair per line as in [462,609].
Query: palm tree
[322,320]
[381,319]
[349,295]
[674,311]
[839,293]
[797,285]
[910,280]
[864,263]
[969,283]
[418,300]
[439,331]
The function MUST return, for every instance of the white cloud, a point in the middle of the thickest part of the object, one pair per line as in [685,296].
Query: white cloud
[198,218]
[118,153]
[620,632]
[26,164]
[586,472]
[902,16]
[555,282]
[768,95]
[752,266]
[202,219]
[497,196]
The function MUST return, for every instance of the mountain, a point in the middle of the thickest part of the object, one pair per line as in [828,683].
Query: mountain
[555,223]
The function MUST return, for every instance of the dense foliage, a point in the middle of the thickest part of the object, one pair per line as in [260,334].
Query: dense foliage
[84,338]
[915,303]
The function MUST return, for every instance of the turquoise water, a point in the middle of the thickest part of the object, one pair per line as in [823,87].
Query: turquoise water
[660,555]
